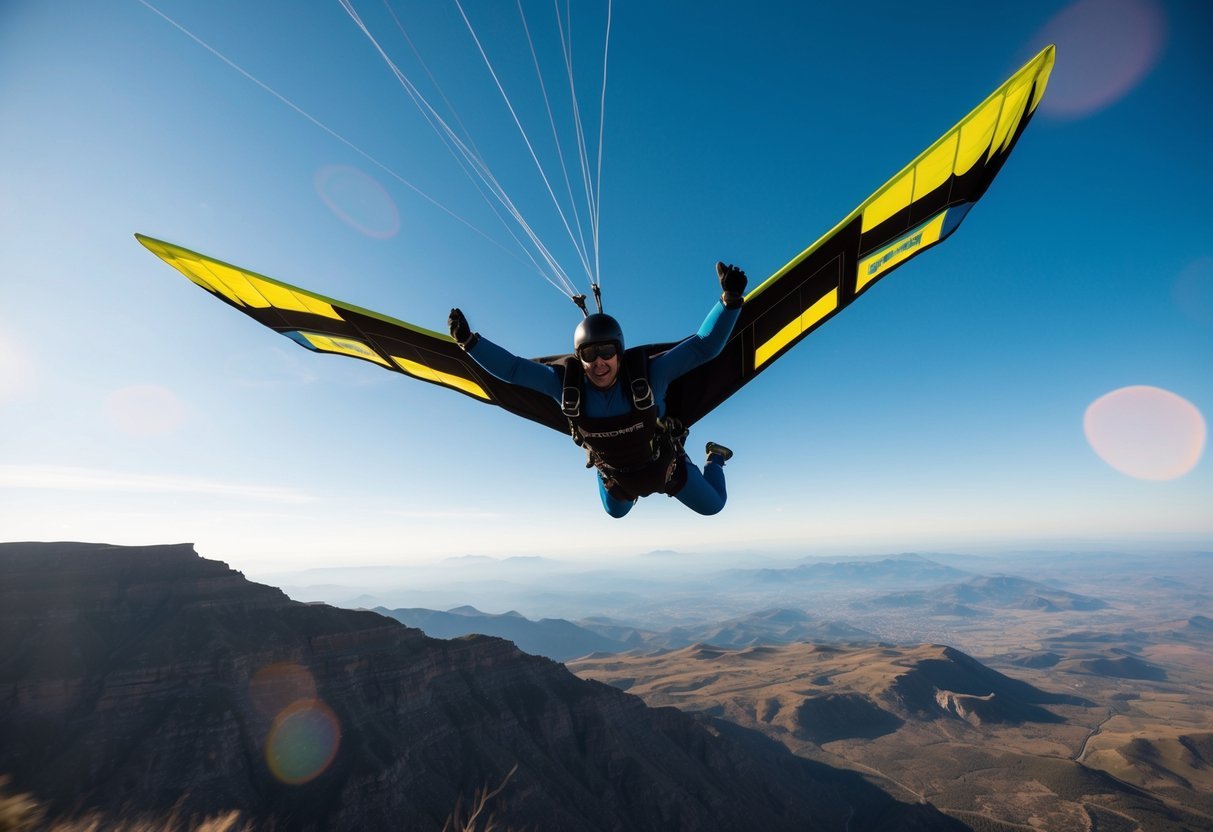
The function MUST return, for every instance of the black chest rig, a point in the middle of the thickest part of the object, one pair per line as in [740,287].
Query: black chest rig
[638,453]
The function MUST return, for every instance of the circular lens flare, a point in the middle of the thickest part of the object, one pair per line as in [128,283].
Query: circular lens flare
[1104,49]
[358,200]
[276,686]
[1146,432]
[302,741]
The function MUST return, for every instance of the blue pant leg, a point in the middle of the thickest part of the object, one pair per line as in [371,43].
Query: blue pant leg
[615,508]
[704,492]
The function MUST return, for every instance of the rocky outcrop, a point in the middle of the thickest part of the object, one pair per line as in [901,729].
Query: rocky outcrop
[142,678]
[953,684]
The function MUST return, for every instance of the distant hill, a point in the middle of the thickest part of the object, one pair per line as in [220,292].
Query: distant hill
[148,679]
[865,573]
[554,638]
[955,684]
[999,591]
[779,626]
[1185,761]
[822,693]
[564,640]
[1120,667]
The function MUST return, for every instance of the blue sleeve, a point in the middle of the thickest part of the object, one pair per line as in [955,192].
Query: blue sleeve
[521,371]
[703,346]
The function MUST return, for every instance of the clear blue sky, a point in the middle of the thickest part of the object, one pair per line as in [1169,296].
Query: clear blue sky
[946,409]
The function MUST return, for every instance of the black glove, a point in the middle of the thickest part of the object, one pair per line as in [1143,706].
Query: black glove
[460,330]
[732,281]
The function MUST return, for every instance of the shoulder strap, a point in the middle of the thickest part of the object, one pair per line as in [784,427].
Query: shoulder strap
[570,396]
[636,361]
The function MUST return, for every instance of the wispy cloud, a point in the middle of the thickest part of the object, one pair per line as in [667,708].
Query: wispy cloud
[68,478]
[453,514]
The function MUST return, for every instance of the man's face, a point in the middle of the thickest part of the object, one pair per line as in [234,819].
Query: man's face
[601,371]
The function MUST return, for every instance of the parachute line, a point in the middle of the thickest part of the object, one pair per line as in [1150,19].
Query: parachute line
[526,139]
[473,159]
[564,168]
[566,45]
[330,131]
[438,87]
[606,44]
[463,163]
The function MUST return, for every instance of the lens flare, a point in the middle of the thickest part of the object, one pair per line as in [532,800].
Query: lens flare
[1146,432]
[302,742]
[145,410]
[1104,49]
[275,687]
[358,200]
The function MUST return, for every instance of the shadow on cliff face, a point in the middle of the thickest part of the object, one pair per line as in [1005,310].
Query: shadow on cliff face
[865,805]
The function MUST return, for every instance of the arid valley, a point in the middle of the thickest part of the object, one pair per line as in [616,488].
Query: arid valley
[1042,690]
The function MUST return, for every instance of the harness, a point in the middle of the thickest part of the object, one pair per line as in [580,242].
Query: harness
[638,453]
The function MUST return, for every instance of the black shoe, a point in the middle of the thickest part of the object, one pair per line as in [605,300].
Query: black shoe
[719,451]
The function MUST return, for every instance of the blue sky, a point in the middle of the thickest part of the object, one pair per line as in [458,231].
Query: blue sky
[946,409]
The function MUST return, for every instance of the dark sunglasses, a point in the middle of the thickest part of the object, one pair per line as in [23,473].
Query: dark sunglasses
[588,352]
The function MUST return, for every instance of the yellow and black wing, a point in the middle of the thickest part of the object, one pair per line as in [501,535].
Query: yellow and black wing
[325,325]
[916,209]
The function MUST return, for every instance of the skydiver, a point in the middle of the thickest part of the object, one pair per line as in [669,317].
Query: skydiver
[616,404]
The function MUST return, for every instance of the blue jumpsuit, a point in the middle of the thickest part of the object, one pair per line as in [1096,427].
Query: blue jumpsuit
[704,491]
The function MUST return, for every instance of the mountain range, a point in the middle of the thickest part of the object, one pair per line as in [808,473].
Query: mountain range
[150,679]
[564,640]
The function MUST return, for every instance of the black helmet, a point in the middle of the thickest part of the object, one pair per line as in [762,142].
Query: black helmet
[598,329]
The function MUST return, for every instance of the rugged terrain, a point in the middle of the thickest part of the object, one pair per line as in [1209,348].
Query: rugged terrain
[1127,633]
[933,724]
[143,678]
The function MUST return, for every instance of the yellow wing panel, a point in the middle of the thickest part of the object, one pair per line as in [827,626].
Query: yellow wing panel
[807,320]
[889,201]
[1012,113]
[237,283]
[936,166]
[280,297]
[977,133]
[240,287]
[898,251]
[421,371]
[198,273]
[341,346]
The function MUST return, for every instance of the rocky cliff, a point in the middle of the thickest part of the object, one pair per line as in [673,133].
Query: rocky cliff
[136,679]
